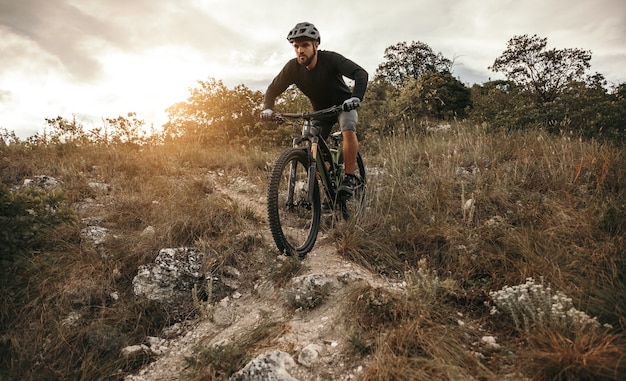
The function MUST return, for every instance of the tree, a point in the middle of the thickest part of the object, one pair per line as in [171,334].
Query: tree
[433,95]
[589,110]
[583,108]
[376,117]
[502,104]
[129,130]
[444,97]
[543,72]
[61,131]
[213,113]
[293,100]
[404,62]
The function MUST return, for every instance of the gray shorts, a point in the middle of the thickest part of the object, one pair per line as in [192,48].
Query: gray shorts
[347,122]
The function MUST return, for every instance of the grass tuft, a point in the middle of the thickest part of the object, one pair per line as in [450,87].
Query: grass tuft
[222,359]
[585,355]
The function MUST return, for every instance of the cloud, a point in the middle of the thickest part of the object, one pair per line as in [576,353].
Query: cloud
[79,34]
[58,29]
[103,58]
[5,96]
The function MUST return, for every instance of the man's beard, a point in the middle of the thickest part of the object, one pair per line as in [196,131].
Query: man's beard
[309,60]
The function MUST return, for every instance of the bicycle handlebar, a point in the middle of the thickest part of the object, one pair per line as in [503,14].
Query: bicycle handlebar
[310,114]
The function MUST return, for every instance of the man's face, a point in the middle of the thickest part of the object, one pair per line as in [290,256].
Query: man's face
[305,51]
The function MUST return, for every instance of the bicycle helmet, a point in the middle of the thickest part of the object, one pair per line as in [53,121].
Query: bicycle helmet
[304,30]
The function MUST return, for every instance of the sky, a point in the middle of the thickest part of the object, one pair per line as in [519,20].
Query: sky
[97,59]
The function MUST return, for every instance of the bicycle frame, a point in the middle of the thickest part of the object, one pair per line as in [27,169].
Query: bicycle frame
[316,149]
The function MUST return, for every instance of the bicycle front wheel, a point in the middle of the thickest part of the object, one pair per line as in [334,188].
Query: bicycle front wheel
[294,215]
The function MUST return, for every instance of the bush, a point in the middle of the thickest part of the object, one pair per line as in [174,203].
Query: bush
[27,215]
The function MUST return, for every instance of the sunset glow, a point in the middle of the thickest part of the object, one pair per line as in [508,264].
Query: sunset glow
[104,59]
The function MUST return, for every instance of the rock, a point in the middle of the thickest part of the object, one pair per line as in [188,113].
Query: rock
[439,128]
[309,291]
[172,275]
[495,221]
[345,278]
[42,182]
[230,277]
[157,345]
[99,187]
[272,366]
[72,319]
[96,234]
[309,355]
[172,331]
[185,260]
[490,343]
[148,232]
[133,350]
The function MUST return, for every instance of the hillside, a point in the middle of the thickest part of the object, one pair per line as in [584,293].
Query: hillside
[459,223]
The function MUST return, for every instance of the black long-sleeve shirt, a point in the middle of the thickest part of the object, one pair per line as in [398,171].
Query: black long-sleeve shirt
[324,84]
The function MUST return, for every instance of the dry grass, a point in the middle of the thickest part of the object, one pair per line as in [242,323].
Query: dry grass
[221,360]
[454,215]
[167,188]
[485,205]
[410,334]
[413,352]
[486,210]
[587,355]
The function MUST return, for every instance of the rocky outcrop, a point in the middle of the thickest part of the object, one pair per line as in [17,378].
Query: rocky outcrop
[172,275]
[272,366]
[40,182]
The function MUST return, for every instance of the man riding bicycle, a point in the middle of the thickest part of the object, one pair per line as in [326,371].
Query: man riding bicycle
[319,75]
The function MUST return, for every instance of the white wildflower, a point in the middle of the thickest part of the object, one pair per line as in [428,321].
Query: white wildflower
[536,304]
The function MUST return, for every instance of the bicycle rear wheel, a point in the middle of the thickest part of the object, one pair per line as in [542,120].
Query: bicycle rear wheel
[294,218]
[355,206]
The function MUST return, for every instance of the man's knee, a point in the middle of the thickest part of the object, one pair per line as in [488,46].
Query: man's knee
[348,135]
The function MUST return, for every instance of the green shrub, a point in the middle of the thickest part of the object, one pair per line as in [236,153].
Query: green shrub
[27,215]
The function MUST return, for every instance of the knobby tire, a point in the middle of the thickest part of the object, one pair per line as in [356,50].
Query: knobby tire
[294,222]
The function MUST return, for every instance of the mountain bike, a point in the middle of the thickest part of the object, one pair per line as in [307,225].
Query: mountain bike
[304,182]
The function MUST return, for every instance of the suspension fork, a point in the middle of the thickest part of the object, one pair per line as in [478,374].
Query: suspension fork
[292,183]
[312,167]
[292,175]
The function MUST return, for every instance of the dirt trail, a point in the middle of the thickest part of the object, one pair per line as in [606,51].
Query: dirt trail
[322,326]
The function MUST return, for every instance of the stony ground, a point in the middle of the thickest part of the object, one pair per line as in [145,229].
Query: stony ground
[320,330]
[316,341]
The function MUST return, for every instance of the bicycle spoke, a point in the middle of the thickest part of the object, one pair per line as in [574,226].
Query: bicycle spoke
[294,216]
